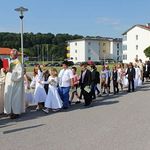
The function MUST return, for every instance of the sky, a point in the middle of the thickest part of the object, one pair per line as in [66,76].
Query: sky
[107,18]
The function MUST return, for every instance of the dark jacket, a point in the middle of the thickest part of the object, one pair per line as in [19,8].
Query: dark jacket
[148,68]
[95,76]
[87,79]
[114,75]
[131,73]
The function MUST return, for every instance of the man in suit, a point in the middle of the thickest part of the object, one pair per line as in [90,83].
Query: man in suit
[131,77]
[95,80]
[115,80]
[146,71]
[85,84]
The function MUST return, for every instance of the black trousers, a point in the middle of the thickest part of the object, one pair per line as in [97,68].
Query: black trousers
[115,86]
[87,96]
[131,82]
[93,85]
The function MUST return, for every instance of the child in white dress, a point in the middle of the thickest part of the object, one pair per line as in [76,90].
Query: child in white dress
[28,95]
[53,100]
[39,93]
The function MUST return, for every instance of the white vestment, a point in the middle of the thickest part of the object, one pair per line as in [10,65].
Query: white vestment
[137,76]
[2,81]
[14,89]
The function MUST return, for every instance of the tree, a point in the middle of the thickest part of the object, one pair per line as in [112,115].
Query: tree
[39,46]
[147,52]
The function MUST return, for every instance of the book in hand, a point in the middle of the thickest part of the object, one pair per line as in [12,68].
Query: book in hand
[53,82]
[87,89]
[6,65]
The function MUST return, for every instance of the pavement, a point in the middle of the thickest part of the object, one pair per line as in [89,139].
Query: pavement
[117,122]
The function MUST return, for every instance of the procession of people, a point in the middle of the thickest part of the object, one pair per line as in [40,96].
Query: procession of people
[53,90]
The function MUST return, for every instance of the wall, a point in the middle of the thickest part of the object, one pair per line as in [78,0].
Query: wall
[142,42]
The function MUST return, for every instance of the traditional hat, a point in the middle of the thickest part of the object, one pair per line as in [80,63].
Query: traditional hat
[14,52]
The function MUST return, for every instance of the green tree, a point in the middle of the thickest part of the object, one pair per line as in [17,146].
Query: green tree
[39,46]
[147,52]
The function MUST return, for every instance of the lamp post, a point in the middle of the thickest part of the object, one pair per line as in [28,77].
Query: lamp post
[104,56]
[21,10]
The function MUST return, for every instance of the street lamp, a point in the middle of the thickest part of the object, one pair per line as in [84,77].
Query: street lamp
[104,51]
[21,10]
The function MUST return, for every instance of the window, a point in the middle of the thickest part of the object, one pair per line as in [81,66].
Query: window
[137,37]
[76,58]
[125,38]
[76,51]
[124,57]
[75,43]
[117,52]
[117,45]
[89,43]
[137,47]
[124,47]
[104,51]
[89,50]
[89,58]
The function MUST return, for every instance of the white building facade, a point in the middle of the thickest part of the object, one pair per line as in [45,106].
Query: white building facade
[95,49]
[135,41]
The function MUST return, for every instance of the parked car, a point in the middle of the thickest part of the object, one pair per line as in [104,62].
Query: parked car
[48,65]
[71,63]
[77,63]
[56,64]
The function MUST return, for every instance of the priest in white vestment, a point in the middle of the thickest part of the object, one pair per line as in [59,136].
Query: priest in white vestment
[14,87]
[2,81]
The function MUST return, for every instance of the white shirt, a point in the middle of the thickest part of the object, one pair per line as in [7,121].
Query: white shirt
[146,68]
[83,75]
[65,75]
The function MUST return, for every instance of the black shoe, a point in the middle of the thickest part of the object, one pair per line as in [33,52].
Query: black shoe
[14,116]
[77,102]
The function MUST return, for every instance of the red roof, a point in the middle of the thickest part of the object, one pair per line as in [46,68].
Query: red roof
[5,51]
[145,27]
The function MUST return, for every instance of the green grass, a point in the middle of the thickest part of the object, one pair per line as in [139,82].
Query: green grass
[30,69]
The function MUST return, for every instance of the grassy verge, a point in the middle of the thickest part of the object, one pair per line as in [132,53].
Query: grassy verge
[30,69]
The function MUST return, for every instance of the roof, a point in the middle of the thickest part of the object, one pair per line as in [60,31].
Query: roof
[138,25]
[96,39]
[5,51]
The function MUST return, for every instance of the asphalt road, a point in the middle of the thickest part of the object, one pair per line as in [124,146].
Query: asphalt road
[120,122]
